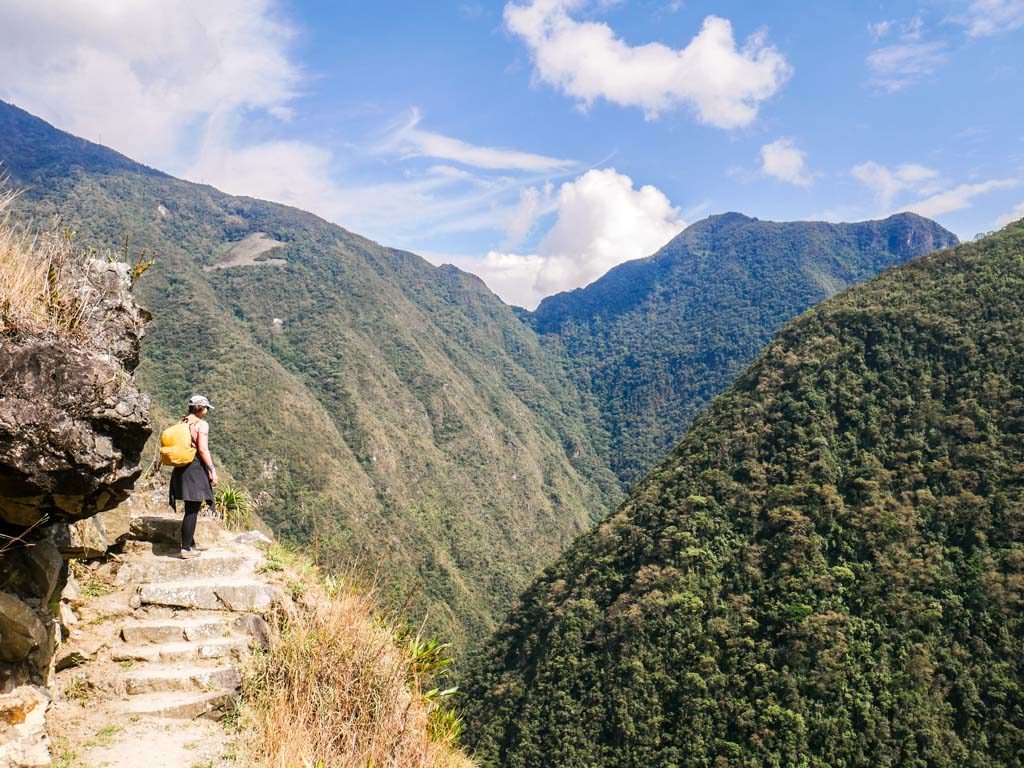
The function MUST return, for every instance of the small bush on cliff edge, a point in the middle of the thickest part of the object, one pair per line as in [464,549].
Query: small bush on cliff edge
[235,506]
[38,293]
[341,687]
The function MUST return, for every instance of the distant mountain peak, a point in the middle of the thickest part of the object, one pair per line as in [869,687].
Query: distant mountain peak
[654,339]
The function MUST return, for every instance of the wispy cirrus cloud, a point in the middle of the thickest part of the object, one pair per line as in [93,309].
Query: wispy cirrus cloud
[985,18]
[723,83]
[908,58]
[410,140]
[894,67]
[887,183]
[959,197]
[929,194]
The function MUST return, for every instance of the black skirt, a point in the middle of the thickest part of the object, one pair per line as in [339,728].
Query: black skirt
[191,483]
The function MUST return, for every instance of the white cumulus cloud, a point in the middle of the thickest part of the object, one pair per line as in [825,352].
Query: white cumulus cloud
[139,75]
[602,220]
[723,83]
[784,161]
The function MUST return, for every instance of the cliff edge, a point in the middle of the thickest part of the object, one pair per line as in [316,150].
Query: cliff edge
[72,429]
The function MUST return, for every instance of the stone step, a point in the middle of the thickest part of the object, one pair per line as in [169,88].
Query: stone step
[159,679]
[170,567]
[175,630]
[182,706]
[166,529]
[212,594]
[221,648]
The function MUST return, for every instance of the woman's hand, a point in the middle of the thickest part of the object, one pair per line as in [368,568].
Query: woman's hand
[213,478]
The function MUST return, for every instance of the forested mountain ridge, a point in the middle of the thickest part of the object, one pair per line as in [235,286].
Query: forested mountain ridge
[828,569]
[655,339]
[384,408]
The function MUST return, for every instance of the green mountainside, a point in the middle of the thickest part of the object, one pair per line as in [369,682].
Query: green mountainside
[381,406]
[827,571]
[655,339]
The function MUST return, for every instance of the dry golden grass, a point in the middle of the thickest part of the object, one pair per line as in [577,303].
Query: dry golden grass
[34,297]
[337,688]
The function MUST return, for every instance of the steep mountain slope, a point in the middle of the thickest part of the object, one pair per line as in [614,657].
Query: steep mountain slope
[655,339]
[829,568]
[382,406]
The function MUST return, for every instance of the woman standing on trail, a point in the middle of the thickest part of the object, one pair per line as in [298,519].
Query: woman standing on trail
[194,483]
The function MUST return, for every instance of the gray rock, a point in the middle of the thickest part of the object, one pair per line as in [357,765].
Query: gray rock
[116,521]
[72,592]
[44,563]
[116,323]
[72,422]
[256,627]
[22,634]
[172,630]
[66,615]
[253,538]
[186,706]
[82,539]
[222,648]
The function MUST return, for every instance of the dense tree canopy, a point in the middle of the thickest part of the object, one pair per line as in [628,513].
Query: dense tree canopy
[827,571]
[655,339]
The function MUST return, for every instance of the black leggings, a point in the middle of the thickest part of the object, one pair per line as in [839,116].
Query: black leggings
[188,523]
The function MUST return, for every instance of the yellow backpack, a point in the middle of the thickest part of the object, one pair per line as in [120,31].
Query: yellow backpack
[176,449]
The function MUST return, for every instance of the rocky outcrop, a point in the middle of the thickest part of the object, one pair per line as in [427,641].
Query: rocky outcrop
[72,423]
[72,429]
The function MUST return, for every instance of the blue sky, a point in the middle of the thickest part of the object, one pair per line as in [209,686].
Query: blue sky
[540,142]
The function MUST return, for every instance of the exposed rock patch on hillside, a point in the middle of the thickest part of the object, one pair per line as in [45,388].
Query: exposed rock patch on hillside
[248,252]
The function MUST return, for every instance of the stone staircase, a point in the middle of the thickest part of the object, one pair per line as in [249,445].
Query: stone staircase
[163,643]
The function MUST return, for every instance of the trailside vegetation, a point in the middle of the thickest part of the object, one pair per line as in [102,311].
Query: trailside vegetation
[828,570]
[655,339]
[340,685]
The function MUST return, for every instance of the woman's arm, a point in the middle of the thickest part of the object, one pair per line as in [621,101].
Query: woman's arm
[203,447]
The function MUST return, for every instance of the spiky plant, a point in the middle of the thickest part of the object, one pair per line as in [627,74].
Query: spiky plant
[235,507]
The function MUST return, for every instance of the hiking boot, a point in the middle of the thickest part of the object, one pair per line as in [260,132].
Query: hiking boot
[188,554]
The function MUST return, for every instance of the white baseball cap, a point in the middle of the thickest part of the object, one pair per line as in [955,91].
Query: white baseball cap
[199,400]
